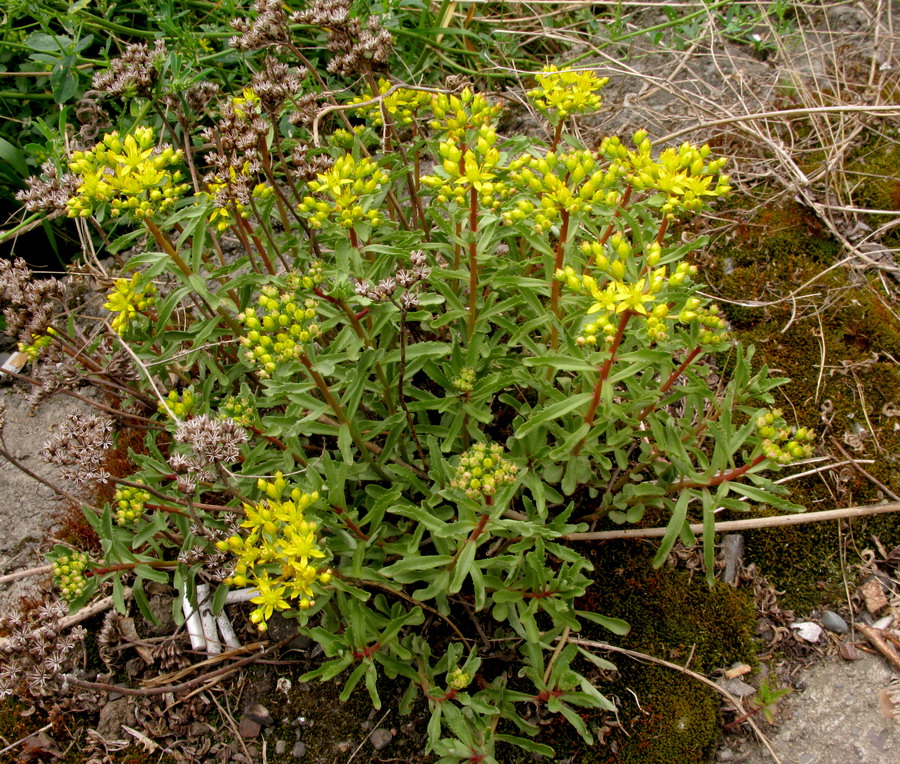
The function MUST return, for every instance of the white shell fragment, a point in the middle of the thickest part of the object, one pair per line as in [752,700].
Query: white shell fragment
[808,631]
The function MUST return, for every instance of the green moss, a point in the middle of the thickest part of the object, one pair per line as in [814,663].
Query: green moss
[856,329]
[674,615]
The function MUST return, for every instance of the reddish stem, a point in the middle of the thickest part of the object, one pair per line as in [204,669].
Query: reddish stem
[670,381]
[718,479]
[349,523]
[662,231]
[556,135]
[607,365]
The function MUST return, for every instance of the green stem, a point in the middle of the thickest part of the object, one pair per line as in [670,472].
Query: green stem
[473,262]
[338,410]
[555,284]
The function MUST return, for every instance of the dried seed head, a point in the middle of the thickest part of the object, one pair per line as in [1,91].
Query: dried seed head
[134,73]
[50,191]
[79,447]
[276,83]
[213,440]
[268,28]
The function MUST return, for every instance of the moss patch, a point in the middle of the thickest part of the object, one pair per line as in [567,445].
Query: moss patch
[666,717]
[852,321]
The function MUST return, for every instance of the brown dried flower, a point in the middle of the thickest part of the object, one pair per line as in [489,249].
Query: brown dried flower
[268,28]
[134,73]
[214,441]
[50,191]
[78,447]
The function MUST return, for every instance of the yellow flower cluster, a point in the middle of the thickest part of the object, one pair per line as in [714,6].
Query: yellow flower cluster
[465,381]
[276,553]
[778,444]
[179,404]
[221,217]
[482,470]
[572,182]
[458,679]
[130,174]
[129,502]
[455,115]
[349,191]
[68,574]
[286,326]
[563,92]
[39,342]
[461,171]
[403,104]
[241,409]
[713,328]
[685,175]
[127,298]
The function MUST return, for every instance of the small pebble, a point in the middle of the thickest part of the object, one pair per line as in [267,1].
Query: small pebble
[726,754]
[381,738]
[833,622]
[248,728]
[849,652]
[807,630]
[260,714]
[299,750]
[343,746]
[280,747]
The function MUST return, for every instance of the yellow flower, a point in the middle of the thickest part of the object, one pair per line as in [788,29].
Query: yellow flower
[563,92]
[632,297]
[276,553]
[403,104]
[350,192]
[126,299]
[131,175]
[606,299]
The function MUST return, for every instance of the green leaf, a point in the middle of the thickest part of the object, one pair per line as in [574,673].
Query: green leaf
[64,80]
[414,564]
[615,625]
[218,601]
[13,156]
[551,413]
[140,597]
[561,362]
[463,565]
[673,529]
[526,744]
[152,574]
[118,593]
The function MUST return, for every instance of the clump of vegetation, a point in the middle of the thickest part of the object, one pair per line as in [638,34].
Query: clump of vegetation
[434,352]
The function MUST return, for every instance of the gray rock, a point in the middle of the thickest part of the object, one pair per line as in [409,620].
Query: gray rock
[833,622]
[280,747]
[260,714]
[381,738]
[299,750]
[112,716]
[726,754]
[733,553]
[736,687]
